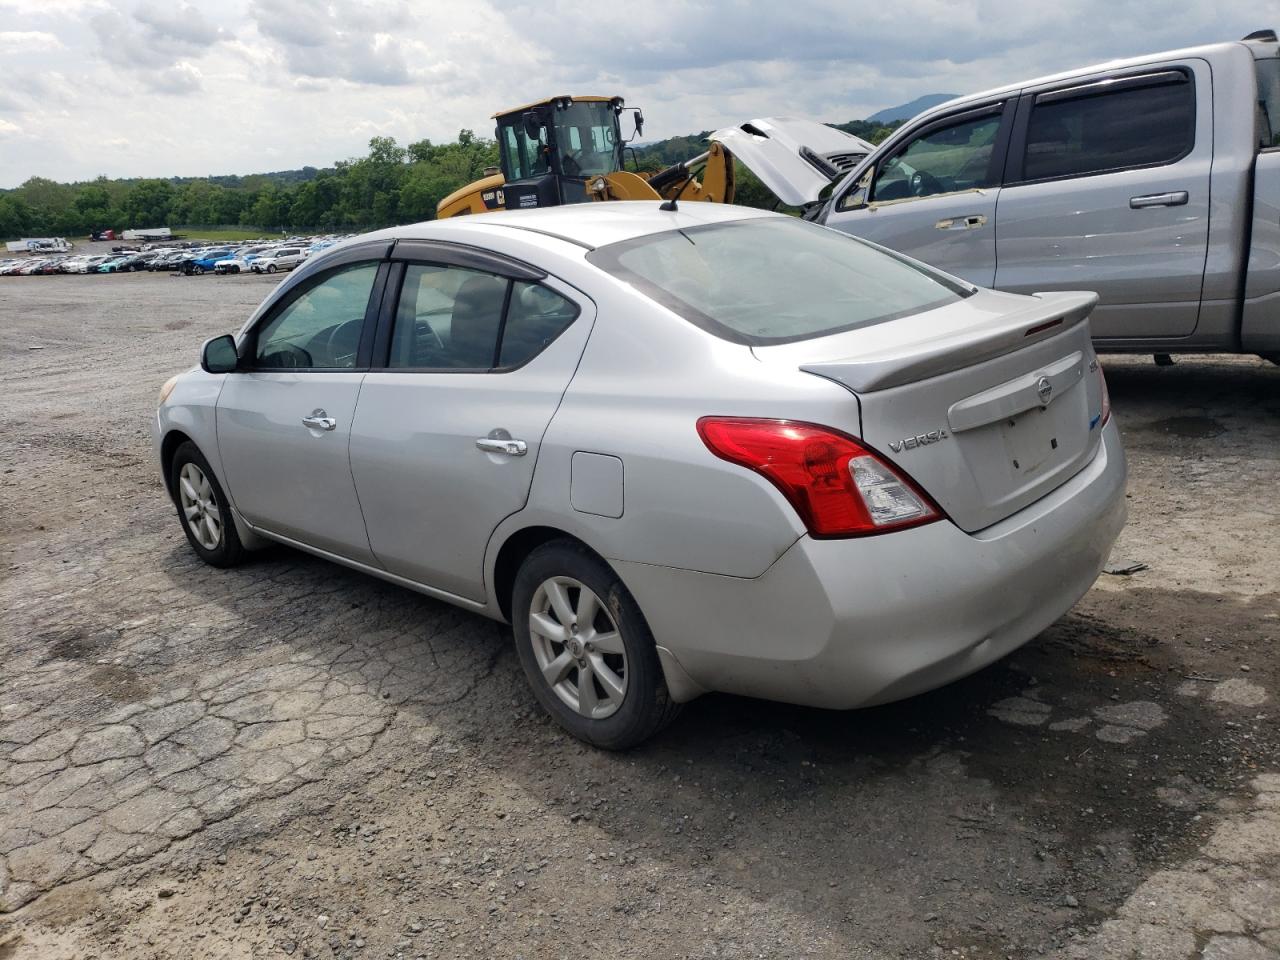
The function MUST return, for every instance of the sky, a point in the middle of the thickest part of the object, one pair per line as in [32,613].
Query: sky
[173,88]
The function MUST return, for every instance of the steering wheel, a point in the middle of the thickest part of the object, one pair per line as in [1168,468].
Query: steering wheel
[286,355]
[923,184]
[334,344]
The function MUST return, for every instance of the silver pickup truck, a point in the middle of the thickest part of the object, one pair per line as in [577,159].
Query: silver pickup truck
[1154,181]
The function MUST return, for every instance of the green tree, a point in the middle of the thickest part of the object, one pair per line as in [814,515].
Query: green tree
[148,202]
[15,218]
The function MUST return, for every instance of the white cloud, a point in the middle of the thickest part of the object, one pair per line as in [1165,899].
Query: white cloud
[311,80]
[28,41]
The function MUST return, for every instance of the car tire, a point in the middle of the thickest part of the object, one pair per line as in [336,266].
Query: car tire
[626,700]
[198,270]
[233,270]
[271,268]
[203,509]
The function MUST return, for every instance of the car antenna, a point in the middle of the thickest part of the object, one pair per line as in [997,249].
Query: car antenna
[670,206]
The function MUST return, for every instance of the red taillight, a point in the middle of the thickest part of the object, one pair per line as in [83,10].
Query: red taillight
[1106,396]
[839,487]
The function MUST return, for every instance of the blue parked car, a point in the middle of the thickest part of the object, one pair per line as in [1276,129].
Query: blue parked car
[204,263]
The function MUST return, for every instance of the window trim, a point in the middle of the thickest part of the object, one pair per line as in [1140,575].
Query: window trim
[309,282]
[442,254]
[995,165]
[906,135]
[1096,87]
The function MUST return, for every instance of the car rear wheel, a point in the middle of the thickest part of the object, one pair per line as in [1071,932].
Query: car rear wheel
[586,648]
[203,508]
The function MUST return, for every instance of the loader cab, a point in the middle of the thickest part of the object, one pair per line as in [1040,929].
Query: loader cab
[551,149]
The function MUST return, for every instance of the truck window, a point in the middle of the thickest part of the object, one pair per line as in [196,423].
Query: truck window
[942,161]
[1102,131]
[1268,103]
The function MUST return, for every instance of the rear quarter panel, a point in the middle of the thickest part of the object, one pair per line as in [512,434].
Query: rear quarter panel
[645,379]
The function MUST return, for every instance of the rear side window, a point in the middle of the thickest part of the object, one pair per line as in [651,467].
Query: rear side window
[453,318]
[1145,122]
[775,279]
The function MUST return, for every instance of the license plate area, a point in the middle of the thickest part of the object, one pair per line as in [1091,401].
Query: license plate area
[1031,441]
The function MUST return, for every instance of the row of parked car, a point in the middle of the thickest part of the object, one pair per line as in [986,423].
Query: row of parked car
[262,257]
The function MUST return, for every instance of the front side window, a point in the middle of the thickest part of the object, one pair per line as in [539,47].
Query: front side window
[1268,103]
[525,156]
[452,318]
[774,280]
[954,158]
[1131,126]
[320,328]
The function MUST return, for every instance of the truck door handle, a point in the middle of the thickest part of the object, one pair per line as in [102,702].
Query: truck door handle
[507,447]
[962,223]
[319,420]
[1175,198]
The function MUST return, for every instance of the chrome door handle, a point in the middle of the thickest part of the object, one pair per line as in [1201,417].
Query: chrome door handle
[508,447]
[319,420]
[962,223]
[1175,198]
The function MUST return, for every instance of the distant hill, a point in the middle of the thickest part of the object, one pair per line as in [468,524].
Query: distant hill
[906,111]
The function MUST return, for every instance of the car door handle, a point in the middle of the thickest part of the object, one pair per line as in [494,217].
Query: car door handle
[507,447]
[319,420]
[1175,198]
[962,223]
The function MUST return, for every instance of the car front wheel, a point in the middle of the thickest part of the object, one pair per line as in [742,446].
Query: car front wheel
[271,268]
[203,508]
[586,648]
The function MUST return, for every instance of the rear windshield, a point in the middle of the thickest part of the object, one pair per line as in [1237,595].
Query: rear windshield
[774,279]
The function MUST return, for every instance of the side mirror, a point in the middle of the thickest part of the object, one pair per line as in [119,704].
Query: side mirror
[219,355]
[532,125]
[639,125]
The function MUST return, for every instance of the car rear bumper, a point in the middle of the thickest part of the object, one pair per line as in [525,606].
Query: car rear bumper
[850,623]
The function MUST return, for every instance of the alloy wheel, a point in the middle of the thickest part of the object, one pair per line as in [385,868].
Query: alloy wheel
[578,647]
[200,506]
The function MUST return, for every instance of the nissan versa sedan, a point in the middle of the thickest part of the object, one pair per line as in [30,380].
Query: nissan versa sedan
[679,450]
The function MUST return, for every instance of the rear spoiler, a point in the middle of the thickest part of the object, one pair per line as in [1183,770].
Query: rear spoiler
[1006,333]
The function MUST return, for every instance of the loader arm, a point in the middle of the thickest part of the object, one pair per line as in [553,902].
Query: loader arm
[680,181]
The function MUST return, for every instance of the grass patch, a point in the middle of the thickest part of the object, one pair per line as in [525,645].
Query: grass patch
[194,233]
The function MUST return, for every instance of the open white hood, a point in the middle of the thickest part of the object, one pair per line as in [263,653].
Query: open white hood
[794,158]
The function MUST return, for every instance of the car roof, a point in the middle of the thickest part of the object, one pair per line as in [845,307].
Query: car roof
[588,225]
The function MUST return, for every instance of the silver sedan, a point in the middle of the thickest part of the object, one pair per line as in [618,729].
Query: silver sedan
[678,450]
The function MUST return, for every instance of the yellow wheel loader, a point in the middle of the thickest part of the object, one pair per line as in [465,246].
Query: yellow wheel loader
[570,150]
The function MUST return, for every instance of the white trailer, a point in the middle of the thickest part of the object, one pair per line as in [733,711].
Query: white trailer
[150,233]
[39,245]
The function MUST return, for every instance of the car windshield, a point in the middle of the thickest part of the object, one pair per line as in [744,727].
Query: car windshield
[775,279]
[584,137]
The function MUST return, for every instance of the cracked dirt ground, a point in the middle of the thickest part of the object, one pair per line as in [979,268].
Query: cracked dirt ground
[291,759]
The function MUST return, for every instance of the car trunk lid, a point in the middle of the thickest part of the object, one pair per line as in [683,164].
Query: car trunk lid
[989,415]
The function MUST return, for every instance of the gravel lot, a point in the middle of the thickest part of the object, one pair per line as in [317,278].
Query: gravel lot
[292,759]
